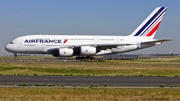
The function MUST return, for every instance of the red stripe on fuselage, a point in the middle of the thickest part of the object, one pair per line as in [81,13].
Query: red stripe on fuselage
[65,40]
[153,30]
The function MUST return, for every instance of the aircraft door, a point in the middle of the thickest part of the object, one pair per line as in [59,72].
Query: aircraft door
[19,44]
[43,45]
[117,40]
[97,40]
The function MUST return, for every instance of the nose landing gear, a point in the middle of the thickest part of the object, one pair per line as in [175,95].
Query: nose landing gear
[15,56]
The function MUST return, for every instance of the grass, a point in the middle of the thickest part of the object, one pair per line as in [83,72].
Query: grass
[89,94]
[169,66]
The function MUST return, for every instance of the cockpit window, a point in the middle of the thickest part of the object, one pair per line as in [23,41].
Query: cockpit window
[11,43]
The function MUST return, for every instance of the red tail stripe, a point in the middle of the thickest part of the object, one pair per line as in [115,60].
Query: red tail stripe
[153,30]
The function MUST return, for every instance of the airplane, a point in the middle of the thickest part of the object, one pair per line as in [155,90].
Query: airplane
[87,46]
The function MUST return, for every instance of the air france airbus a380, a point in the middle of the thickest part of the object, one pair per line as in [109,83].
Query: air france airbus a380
[84,46]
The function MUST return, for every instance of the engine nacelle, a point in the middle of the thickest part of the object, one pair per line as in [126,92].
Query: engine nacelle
[65,52]
[88,50]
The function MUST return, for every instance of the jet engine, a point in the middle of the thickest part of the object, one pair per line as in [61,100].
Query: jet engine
[87,50]
[65,52]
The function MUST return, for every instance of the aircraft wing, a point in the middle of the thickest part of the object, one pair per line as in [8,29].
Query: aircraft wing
[99,47]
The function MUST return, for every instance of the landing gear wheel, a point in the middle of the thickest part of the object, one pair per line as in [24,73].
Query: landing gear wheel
[90,57]
[84,58]
[80,58]
[15,56]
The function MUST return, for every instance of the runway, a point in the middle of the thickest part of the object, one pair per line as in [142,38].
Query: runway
[90,80]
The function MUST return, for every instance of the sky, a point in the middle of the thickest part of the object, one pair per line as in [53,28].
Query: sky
[87,17]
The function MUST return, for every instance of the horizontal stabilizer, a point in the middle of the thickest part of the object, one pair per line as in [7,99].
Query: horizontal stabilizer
[157,41]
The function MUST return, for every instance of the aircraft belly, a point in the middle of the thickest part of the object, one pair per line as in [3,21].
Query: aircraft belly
[125,48]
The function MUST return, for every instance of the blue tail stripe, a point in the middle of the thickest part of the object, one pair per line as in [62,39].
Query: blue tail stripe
[153,22]
[154,16]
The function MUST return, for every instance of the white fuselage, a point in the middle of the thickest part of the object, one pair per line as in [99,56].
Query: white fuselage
[39,44]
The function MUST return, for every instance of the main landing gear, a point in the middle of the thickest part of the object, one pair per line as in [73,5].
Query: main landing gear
[15,56]
[85,58]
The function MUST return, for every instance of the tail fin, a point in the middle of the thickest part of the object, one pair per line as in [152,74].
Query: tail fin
[150,25]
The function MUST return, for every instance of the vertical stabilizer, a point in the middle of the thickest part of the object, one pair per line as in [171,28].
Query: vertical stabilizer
[150,25]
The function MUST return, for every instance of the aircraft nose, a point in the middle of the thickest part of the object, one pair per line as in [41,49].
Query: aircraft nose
[8,48]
